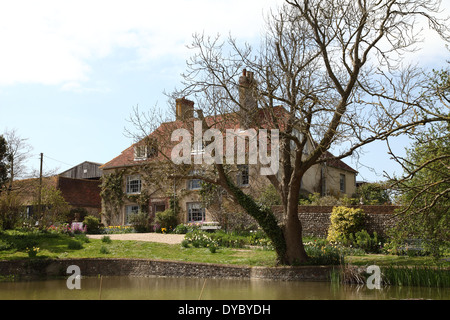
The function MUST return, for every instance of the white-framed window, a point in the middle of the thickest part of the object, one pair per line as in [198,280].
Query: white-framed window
[129,210]
[134,184]
[145,151]
[342,182]
[243,177]
[196,213]
[140,152]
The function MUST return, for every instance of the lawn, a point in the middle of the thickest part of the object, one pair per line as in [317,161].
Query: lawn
[57,246]
[13,245]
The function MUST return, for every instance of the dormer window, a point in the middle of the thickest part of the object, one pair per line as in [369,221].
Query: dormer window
[145,151]
[140,152]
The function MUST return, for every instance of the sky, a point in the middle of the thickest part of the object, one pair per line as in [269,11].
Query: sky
[71,72]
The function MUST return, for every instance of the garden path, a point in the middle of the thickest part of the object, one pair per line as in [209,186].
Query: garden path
[151,237]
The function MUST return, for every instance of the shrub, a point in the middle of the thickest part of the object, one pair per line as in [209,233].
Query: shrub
[106,239]
[344,222]
[185,243]
[166,219]
[201,239]
[369,244]
[32,252]
[82,238]
[229,240]
[180,229]
[320,254]
[74,245]
[140,222]
[104,250]
[259,238]
[92,224]
[4,245]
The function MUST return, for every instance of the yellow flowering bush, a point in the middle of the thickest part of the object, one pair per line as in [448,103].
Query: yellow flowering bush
[32,252]
[345,221]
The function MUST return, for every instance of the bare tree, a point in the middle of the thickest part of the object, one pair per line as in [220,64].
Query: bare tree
[18,152]
[335,67]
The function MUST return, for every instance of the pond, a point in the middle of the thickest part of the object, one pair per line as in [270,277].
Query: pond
[160,288]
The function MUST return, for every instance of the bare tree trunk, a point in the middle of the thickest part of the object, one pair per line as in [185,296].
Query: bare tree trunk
[295,251]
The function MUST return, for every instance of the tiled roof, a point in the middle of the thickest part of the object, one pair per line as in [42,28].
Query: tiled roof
[227,121]
[337,163]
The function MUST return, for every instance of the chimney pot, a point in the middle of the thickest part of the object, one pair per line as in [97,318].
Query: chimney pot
[184,109]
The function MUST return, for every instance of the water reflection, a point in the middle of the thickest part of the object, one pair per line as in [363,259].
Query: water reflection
[157,288]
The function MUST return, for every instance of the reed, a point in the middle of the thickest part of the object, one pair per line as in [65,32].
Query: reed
[436,277]
[418,276]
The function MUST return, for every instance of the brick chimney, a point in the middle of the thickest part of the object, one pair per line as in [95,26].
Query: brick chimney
[247,98]
[184,109]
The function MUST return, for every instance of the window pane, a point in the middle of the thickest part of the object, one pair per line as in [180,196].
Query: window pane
[195,212]
[134,184]
[194,184]
[133,209]
[342,182]
[243,176]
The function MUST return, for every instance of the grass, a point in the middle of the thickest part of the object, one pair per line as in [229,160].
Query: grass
[13,245]
[60,246]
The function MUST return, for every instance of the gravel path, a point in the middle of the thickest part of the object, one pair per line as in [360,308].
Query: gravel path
[151,237]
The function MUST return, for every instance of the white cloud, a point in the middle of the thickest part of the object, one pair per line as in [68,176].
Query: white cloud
[55,42]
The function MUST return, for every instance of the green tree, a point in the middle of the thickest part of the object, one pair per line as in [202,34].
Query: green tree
[425,193]
[374,193]
[55,207]
[424,187]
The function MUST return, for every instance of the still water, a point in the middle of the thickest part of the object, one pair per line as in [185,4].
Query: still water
[157,288]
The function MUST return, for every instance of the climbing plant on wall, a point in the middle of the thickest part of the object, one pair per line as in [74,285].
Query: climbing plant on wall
[112,194]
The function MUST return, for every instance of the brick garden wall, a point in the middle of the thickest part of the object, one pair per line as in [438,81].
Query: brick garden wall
[316,219]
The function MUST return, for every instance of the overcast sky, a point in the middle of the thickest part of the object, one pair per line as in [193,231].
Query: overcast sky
[72,71]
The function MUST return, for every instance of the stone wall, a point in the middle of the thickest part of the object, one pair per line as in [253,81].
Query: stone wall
[47,268]
[316,219]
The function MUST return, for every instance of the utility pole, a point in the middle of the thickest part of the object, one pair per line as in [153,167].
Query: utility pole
[40,188]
